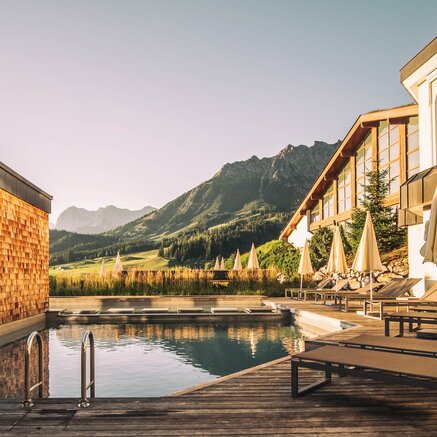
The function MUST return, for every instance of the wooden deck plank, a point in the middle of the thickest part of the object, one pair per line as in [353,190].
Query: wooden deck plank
[253,402]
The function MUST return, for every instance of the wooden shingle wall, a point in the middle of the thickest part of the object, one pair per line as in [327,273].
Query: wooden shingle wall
[12,368]
[24,259]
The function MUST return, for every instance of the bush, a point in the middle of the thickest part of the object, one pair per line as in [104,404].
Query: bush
[167,282]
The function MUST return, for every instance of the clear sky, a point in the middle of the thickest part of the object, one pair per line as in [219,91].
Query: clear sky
[134,102]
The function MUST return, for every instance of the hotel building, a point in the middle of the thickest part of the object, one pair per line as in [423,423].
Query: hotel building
[402,140]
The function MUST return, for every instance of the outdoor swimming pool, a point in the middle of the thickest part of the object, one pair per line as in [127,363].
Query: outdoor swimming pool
[139,360]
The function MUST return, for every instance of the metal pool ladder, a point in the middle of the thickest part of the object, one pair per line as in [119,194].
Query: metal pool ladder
[87,339]
[27,388]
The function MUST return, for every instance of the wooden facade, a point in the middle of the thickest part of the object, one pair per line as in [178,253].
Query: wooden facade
[24,253]
[377,138]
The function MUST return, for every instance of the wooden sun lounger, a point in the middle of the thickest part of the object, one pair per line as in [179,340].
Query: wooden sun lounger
[411,346]
[259,310]
[224,310]
[79,312]
[383,366]
[410,317]
[190,310]
[297,293]
[154,310]
[120,310]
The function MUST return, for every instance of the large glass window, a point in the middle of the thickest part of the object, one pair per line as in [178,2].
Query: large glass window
[315,214]
[413,160]
[388,153]
[363,166]
[344,189]
[328,202]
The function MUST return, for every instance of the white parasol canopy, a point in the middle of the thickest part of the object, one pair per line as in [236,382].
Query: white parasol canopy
[253,263]
[237,262]
[305,266]
[217,263]
[118,268]
[367,258]
[337,259]
[102,269]
[222,264]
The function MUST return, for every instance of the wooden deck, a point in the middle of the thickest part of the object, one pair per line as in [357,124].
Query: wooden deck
[252,402]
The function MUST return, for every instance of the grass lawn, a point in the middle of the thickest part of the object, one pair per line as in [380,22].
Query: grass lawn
[148,260]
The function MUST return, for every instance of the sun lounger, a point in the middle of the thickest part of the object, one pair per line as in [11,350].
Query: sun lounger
[333,290]
[410,317]
[387,299]
[395,288]
[120,310]
[298,293]
[79,312]
[324,295]
[154,310]
[411,346]
[390,367]
[259,310]
[190,310]
[430,334]
[224,310]
[429,298]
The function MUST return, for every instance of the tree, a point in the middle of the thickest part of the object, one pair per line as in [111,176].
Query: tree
[320,246]
[384,218]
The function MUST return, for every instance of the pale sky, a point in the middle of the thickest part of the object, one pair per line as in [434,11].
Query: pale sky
[135,102]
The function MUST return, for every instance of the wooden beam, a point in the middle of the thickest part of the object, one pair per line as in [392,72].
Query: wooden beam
[398,120]
[346,154]
[369,124]
[316,197]
[329,178]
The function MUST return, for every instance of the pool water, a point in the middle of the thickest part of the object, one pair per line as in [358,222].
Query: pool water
[134,360]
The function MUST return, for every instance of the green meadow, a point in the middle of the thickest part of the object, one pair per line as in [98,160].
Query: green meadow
[148,260]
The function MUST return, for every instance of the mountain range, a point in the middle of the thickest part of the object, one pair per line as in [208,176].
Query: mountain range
[83,221]
[239,194]
[238,190]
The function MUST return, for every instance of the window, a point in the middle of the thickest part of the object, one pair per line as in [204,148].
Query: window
[328,202]
[315,214]
[413,160]
[388,153]
[344,189]
[363,165]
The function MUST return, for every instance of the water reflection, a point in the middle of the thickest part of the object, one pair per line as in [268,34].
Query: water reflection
[155,359]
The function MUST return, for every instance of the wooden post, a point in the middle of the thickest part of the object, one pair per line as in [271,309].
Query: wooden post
[335,195]
[353,181]
[402,153]
[374,148]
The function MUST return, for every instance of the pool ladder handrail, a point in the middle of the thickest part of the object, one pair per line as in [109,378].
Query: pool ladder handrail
[87,339]
[27,362]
